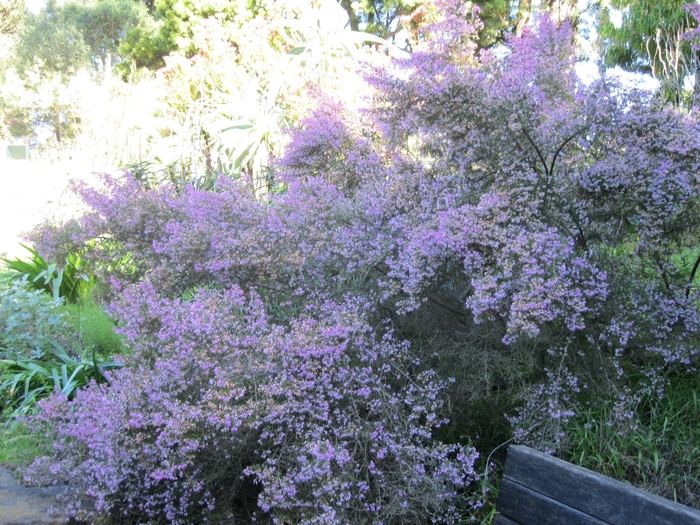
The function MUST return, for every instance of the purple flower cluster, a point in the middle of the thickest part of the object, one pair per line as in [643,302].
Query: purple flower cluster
[314,422]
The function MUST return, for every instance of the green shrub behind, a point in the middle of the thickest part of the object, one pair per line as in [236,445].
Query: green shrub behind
[70,283]
[29,320]
[46,345]
[94,328]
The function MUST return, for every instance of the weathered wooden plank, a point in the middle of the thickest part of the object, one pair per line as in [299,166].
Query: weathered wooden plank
[529,507]
[609,500]
[502,520]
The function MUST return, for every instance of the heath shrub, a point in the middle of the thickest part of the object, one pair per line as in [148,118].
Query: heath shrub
[315,422]
[488,219]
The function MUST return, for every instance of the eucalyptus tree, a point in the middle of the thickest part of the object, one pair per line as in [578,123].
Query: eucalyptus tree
[649,38]
[66,37]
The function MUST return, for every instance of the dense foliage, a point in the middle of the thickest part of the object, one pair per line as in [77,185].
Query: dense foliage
[489,232]
[68,281]
[226,414]
[29,321]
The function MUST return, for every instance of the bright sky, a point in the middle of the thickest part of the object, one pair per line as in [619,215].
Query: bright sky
[588,72]
[34,6]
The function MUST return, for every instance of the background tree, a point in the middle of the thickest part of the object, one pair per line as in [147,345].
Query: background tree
[386,19]
[11,15]
[650,39]
[50,51]
[103,25]
[64,39]
[521,12]
[51,43]
[501,18]
[378,17]
[172,25]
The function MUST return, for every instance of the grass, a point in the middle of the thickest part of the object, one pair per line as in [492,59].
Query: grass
[19,446]
[661,455]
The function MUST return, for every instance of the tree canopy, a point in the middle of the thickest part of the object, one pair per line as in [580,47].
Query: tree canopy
[63,38]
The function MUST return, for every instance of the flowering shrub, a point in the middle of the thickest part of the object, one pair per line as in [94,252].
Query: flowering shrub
[319,421]
[540,215]
[529,236]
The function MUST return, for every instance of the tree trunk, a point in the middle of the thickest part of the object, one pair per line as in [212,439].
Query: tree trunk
[354,20]
[561,10]
[56,117]
[524,15]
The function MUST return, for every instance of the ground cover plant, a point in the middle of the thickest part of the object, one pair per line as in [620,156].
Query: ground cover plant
[19,446]
[489,237]
[47,345]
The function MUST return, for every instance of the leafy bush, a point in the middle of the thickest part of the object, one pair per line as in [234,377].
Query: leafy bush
[93,327]
[29,320]
[27,381]
[41,351]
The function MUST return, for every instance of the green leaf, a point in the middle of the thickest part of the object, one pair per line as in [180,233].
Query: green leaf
[300,50]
